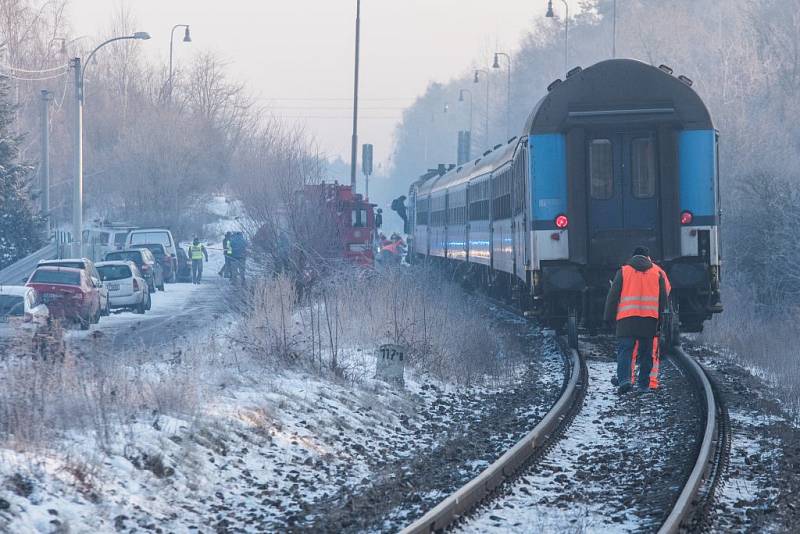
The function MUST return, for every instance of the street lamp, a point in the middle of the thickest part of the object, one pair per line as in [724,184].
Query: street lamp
[354,138]
[614,32]
[187,38]
[551,15]
[77,198]
[496,65]
[461,99]
[475,79]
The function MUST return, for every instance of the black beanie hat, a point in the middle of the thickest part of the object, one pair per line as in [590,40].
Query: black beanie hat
[641,251]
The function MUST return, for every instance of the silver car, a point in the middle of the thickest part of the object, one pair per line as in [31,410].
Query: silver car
[126,286]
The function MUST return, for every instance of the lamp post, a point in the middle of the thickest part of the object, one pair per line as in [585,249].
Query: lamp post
[354,145]
[550,15]
[187,38]
[77,197]
[496,65]
[461,99]
[475,79]
[614,32]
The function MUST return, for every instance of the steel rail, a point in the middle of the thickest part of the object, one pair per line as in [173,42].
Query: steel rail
[468,496]
[685,504]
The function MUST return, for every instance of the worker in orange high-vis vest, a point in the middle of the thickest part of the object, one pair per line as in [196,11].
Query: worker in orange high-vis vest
[656,368]
[635,302]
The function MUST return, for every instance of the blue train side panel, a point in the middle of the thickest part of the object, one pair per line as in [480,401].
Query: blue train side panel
[697,154]
[548,166]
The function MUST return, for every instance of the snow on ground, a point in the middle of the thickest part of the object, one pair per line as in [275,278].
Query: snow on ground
[760,492]
[229,444]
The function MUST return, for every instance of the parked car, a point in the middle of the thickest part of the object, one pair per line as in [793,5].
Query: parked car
[127,288]
[88,266]
[162,236]
[184,266]
[145,262]
[22,316]
[68,293]
[168,264]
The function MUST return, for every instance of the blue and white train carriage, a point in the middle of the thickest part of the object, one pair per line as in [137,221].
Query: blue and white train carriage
[617,155]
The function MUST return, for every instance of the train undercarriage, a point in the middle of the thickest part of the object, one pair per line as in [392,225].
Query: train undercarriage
[566,297]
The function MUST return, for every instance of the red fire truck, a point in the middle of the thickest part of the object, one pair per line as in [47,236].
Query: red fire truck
[347,217]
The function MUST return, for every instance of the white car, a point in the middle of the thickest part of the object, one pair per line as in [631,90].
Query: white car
[126,286]
[21,313]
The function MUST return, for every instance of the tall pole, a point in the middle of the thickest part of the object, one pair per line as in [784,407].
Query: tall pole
[171,46]
[77,154]
[77,161]
[566,36]
[508,89]
[354,147]
[614,32]
[44,167]
[486,119]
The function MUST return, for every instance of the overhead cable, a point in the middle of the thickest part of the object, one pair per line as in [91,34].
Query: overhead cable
[30,71]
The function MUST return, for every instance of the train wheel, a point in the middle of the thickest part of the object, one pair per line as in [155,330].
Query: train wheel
[572,328]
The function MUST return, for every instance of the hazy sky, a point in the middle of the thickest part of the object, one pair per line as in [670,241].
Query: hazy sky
[297,55]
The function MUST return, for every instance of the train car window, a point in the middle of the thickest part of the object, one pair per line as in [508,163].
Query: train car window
[601,169]
[643,166]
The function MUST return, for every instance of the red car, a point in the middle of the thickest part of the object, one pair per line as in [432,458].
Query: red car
[68,293]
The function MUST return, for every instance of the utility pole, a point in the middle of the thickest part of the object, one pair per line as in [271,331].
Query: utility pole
[44,166]
[354,147]
[614,33]
[77,161]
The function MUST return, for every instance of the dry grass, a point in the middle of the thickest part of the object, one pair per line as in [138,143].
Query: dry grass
[344,316]
[761,338]
[43,399]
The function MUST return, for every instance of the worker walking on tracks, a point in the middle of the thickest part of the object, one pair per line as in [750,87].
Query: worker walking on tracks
[197,251]
[635,301]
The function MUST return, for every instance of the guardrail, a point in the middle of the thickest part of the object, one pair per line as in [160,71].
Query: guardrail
[468,496]
[17,273]
[685,502]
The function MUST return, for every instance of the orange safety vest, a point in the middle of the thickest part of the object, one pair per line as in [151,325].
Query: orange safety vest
[640,292]
[667,285]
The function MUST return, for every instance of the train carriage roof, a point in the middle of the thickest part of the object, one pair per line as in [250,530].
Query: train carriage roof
[618,90]
[475,168]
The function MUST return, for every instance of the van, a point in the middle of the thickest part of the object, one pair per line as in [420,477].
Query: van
[99,241]
[156,236]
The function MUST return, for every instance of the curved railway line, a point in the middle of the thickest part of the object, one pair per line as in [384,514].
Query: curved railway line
[690,510]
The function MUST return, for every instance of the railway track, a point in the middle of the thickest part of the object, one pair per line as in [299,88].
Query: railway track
[690,507]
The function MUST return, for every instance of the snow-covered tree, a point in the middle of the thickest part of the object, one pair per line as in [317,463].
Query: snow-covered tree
[20,232]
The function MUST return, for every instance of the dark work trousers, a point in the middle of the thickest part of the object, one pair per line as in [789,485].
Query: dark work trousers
[625,354]
[197,271]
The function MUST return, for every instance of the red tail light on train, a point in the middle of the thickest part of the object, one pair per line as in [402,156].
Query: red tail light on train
[686,218]
[562,222]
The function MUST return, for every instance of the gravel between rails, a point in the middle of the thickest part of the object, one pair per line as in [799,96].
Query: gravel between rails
[619,467]
[403,489]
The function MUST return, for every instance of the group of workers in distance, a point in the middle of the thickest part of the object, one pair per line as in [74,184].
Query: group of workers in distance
[636,301]
[234,248]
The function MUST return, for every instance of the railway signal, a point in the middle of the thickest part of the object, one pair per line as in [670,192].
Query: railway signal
[366,166]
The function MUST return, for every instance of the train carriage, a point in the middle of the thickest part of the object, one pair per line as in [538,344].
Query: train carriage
[617,155]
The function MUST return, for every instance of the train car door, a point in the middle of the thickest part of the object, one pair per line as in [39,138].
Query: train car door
[623,201]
